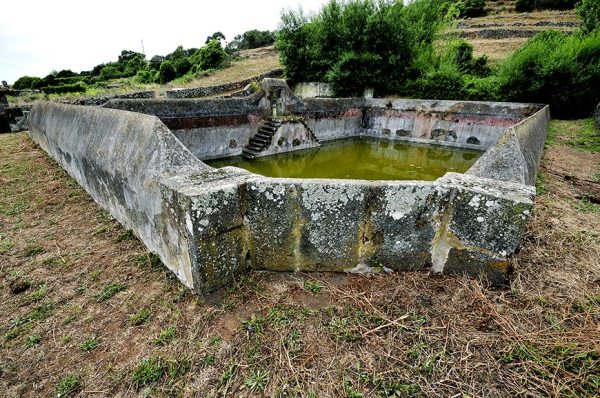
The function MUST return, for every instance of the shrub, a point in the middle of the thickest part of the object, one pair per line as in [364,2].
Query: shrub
[530,5]
[557,69]
[78,87]
[211,56]
[251,39]
[472,8]
[166,72]
[589,11]
[25,83]
[144,76]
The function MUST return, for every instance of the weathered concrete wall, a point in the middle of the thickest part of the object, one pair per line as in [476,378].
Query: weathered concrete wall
[456,224]
[516,155]
[312,90]
[126,162]
[104,99]
[210,225]
[208,128]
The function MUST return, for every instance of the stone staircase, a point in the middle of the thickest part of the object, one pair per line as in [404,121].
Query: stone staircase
[262,139]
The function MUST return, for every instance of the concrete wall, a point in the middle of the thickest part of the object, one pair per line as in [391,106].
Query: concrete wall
[312,90]
[208,128]
[516,155]
[210,225]
[127,162]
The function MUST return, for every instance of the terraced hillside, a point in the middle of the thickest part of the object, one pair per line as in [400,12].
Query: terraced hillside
[499,34]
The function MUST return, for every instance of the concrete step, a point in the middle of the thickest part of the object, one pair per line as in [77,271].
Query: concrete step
[261,141]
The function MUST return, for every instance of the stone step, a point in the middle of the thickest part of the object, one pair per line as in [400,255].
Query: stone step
[263,130]
[261,141]
[266,136]
[255,147]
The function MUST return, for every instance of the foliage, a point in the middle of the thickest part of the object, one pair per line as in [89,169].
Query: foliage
[166,72]
[589,11]
[218,36]
[471,8]
[79,87]
[557,69]
[358,44]
[251,39]
[25,82]
[530,5]
[69,386]
[211,56]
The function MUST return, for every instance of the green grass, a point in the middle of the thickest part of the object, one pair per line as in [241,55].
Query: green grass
[33,341]
[581,134]
[150,370]
[140,317]
[165,336]
[313,286]
[110,290]
[257,381]
[69,386]
[585,205]
[89,344]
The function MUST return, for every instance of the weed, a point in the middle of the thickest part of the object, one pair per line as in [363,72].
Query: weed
[227,375]
[32,250]
[214,341]
[148,261]
[33,341]
[165,336]
[541,186]
[208,360]
[313,286]
[350,391]
[89,344]
[39,293]
[68,386]
[254,325]
[140,317]
[55,261]
[596,177]
[125,236]
[149,371]
[585,205]
[110,290]
[257,381]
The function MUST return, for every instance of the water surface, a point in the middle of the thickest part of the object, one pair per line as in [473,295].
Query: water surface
[361,159]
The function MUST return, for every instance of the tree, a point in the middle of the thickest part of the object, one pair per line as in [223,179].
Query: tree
[166,72]
[218,36]
[589,11]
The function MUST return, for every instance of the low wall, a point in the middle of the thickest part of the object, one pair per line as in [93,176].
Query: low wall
[197,92]
[312,90]
[104,99]
[516,154]
[126,161]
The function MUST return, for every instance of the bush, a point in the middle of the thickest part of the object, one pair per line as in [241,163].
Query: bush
[78,87]
[211,56]
[166,72]
[472,8]
[26,83]
[145,76]
[589,11]
[557,69]
[251,39]
[530,5]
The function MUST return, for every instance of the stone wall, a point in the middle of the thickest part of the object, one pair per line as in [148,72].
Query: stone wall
[197,92]
[104,99]
[121,159]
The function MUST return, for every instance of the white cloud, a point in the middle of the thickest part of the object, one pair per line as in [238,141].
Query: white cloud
[37,37]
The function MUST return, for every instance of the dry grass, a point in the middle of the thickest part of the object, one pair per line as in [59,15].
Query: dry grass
[85,311]
[499,49]
[251,63]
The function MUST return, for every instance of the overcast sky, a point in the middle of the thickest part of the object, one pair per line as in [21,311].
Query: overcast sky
[37,37]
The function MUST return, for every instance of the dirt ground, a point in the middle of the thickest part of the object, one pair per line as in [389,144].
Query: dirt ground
[86,311]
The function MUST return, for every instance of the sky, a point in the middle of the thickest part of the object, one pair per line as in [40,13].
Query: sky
[37,37]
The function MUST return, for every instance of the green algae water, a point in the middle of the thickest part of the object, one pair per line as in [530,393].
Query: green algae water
[360,159]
